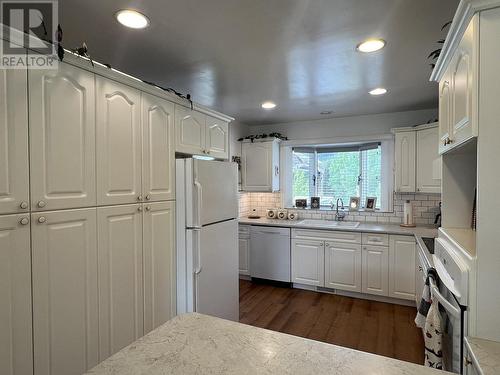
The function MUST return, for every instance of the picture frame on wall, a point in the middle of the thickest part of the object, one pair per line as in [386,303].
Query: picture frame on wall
[371,203]
[354,204]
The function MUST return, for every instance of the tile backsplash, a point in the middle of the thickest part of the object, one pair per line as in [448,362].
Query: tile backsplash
[425,208]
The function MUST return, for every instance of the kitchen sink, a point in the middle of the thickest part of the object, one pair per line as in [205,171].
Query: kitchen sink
[329,223]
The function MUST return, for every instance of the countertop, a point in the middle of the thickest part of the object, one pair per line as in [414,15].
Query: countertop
[421,231]
[486,354]
[200,344]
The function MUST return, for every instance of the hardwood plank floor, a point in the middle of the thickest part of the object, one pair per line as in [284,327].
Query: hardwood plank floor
[370,326]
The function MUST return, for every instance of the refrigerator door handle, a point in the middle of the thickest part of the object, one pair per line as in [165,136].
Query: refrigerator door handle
[198,268]
[197,214]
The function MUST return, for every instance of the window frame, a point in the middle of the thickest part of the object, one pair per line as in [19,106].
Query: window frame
[387,166]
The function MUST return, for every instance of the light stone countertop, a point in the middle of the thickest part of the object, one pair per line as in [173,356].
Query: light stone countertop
[420,231]
[486,354]
[200,344]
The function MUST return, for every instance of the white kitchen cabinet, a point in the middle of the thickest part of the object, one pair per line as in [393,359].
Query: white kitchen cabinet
[375,267]
[62,138]
[463,82]
[121,297]
[159,264]
[119,145]
[217,138]
[65,291]
[190,131]
[404,162]
[14,178]
[343,266]
[428,161]
[402,267]
[244,249]
[16,356]
[158,161]
[260,166]
[444,113]
[308,262]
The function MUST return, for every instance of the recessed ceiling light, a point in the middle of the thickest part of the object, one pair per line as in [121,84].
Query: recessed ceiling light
[268,105]
[371,45]
[132,18]
[378,91]
[326,112]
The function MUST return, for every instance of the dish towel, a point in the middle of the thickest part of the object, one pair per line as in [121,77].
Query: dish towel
[425,304]
[433,338]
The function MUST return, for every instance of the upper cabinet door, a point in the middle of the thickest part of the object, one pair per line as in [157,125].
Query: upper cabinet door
[119,146]
[217,144]
[62,138]
[428,161]
[444,113]
[463,80]
[257,166]
[121,297]
[405,156]
[14,170]
[158,173]
[159,264]
[190,127]
[65,294]
[16,356]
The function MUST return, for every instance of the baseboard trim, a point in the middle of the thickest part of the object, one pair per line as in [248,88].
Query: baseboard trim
[370,297]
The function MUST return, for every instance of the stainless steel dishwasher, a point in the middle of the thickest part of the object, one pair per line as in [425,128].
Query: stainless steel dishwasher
[270,253]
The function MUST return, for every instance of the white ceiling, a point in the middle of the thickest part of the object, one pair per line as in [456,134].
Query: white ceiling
[233,54]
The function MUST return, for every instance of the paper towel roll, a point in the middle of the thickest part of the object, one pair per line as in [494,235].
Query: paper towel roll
[408,213]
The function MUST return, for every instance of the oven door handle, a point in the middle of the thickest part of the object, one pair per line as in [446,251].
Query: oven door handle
[435,294]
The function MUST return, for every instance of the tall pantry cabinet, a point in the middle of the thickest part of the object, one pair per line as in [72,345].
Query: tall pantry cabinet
[87,229]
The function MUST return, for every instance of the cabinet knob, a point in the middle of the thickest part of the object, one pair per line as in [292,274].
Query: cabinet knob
[139,208]
[148,208]
[139,197]
[327,244]
[148,197]
[23,205]
[41,204]
[42,219]
[24,221]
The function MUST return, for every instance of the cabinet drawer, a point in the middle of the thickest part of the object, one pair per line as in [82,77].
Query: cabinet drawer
[375,239]
[327,235]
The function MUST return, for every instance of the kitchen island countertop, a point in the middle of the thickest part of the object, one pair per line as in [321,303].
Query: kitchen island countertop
[200,344]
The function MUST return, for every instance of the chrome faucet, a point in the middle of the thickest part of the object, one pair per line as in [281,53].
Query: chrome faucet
[339,215]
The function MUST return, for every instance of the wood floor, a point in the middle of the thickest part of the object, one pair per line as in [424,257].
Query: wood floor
[374,327]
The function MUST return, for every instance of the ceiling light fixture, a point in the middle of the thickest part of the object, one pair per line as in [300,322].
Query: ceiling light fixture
[326,112]
[132,18]
[268,105]
[378,91]
[371,45]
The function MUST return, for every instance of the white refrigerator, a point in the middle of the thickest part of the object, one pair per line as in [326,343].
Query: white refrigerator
[207,238]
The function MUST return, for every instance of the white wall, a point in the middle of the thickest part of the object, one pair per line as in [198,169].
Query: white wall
[347,126]
[236,130]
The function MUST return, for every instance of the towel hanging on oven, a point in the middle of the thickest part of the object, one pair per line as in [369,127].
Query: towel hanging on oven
[433,337]
[425,302]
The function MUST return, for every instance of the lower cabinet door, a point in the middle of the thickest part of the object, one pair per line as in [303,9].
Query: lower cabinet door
[16,356]
[244,256]
[375,261]
[65,295]
[308,262]
[159,264]
[121,297]
[343,266]
[402,267]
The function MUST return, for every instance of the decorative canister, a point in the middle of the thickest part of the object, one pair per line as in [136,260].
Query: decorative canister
[292,215]
[282,214]
[271,213]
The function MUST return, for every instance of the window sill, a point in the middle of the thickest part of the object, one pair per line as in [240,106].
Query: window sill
[328,209]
